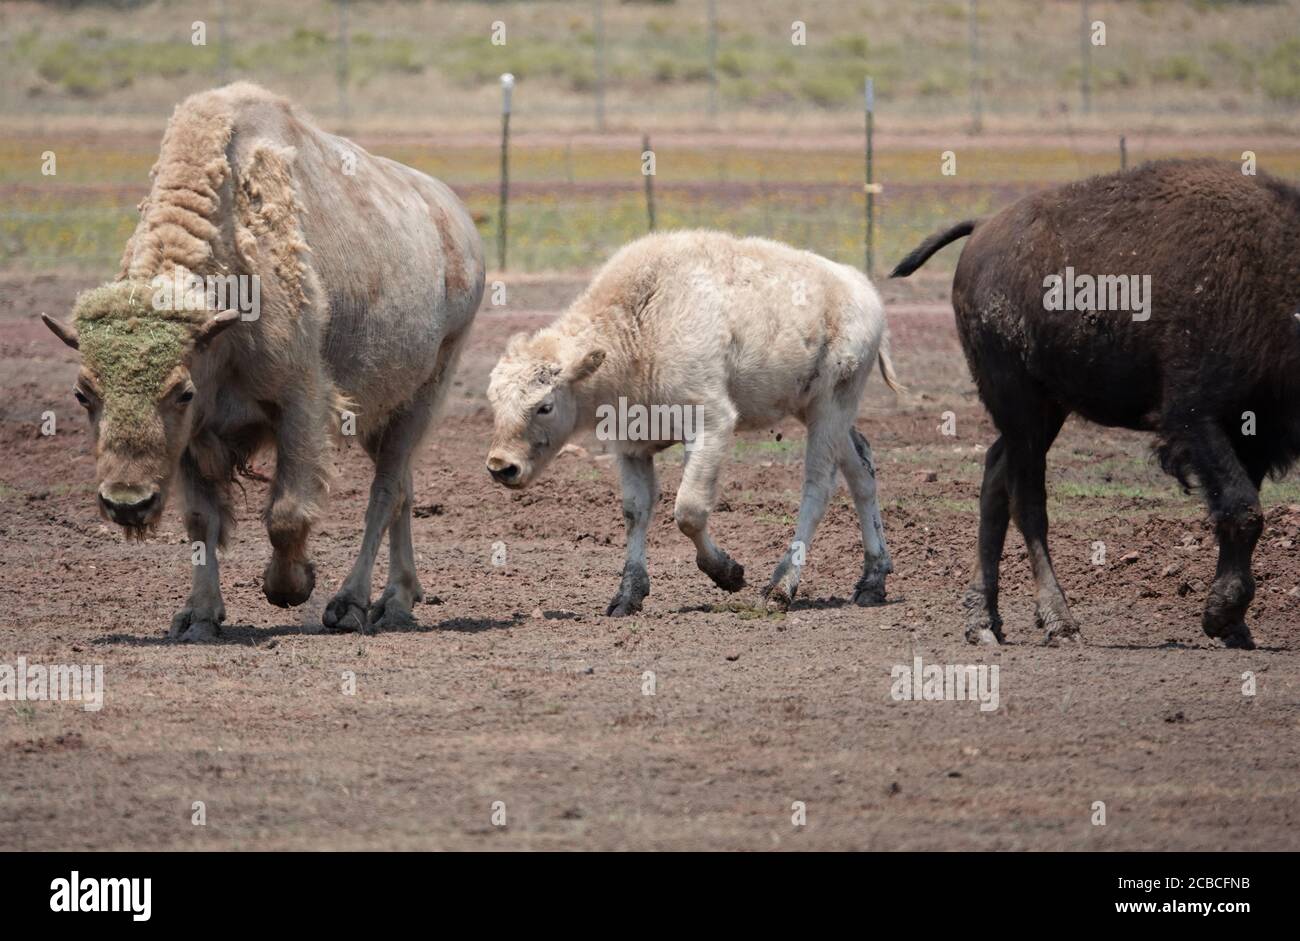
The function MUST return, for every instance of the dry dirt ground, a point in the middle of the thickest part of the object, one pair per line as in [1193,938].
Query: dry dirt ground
[516,689]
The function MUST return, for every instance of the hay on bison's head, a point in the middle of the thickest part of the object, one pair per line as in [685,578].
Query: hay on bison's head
[131,348]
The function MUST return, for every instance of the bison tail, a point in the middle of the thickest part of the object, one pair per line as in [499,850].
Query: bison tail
[922,252]
[887,368]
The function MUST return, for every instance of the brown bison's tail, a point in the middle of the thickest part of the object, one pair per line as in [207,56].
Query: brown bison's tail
[922,252]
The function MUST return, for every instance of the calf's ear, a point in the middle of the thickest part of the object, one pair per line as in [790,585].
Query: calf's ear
[585,366]
[65,332]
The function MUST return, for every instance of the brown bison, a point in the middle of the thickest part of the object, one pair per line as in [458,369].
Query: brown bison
[1165,298]
[363,277]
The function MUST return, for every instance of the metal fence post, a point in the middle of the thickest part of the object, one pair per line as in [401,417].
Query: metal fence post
[507,86]
[869,99]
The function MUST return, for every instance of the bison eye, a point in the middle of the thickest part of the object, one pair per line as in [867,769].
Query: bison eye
[185,396]
[545,408]
[81,397]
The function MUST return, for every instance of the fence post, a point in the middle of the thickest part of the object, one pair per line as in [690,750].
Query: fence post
[223,46]
[713,60]
[869,99]
[1085,78]
[647,172]
[343,61]
[976,93]
[507,86]
[598,12]
[1123,153]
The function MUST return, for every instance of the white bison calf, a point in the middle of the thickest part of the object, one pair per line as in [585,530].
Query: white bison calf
[689,336]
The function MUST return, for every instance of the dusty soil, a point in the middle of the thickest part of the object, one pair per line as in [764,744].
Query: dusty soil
[516,688]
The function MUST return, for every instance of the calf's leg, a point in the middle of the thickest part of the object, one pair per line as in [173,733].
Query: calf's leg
[695,500]
[205,515]
[859,469]
[637,473]
[983,622]
[825,434]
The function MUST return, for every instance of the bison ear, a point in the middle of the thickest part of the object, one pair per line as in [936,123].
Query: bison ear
[585,366]
[68,333]
[209,331]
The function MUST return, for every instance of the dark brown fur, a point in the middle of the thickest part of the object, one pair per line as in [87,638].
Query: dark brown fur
[1223,253]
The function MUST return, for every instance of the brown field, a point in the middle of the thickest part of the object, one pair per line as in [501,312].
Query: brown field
[516,688]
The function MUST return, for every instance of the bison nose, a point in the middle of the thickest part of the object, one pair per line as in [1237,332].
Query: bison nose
[503,472]
[129,510]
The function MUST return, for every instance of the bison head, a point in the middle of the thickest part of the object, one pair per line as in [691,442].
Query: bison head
[535,403]
[135,385]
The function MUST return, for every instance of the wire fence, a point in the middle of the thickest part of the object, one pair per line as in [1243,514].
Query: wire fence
[618,67]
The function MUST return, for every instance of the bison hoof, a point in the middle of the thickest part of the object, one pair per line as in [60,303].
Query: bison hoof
[726,572]
[1234,634]
[392,612]
[288,584]
[191,627]
[344,614]
[986,631]
[1061,630]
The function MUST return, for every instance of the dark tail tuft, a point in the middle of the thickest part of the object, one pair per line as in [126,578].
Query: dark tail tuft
[922,252]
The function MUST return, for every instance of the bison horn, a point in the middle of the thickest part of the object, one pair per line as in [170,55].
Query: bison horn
[67,333]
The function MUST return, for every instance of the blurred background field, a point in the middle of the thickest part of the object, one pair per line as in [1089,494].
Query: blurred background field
[751,132]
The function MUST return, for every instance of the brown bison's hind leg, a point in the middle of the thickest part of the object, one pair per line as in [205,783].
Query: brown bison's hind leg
[1026,457]
[1233,497]
[983,622]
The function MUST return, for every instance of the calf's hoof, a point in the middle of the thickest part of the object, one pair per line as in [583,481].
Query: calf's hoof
[345,614]
[196,627]
[632,590]
[726,572]
[777,599]
[870,589]
[288,584]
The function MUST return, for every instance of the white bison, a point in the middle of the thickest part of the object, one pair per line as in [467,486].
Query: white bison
[690,336]
[365,276]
